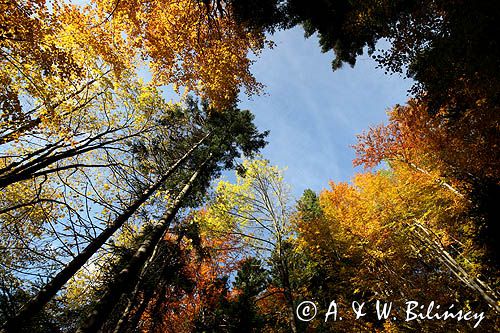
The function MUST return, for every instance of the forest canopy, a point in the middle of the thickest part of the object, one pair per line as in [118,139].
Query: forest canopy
[122,211]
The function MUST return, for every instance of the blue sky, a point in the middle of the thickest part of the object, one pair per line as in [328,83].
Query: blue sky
[314,113]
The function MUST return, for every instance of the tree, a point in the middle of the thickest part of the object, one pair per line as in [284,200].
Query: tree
[74,114]
[201,129]
[129,275]
[327,268]
[232,132]
[250,281]
[54,60]
[44,296]
[206,306]
[457,155]
[373,238]
[257,209]
[58,58]
[188,43]
[57,193]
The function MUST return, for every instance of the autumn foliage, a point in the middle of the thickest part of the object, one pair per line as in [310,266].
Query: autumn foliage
[114,216]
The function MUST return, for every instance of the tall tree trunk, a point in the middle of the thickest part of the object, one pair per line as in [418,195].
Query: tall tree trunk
[125,321]
[287,291]
[128,323]
[285,276]
[121,324]
[128,276]
[131,323]
[33,307]
[431,242]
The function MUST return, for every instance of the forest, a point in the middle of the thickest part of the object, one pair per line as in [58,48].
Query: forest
[124,211]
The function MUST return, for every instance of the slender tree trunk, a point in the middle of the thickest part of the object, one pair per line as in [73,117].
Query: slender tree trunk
[440,181]
[125,320]
[132,324]
[125,324]
[430,241]
[128,276]
[122,323]
[285,276]
[287,291]
[33,307]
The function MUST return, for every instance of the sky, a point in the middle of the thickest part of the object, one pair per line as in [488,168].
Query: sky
[313,113]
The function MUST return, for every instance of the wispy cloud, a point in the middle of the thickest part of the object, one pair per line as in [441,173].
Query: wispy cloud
[314,113]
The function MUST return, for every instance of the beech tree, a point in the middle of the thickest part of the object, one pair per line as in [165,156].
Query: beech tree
[58,57]
[390,234]
[457,155]
[257,209]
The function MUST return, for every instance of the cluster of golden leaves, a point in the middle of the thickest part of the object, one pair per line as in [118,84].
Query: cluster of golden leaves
[56,56]
[51,56]
[379,204]
[365,235]
[189,46]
